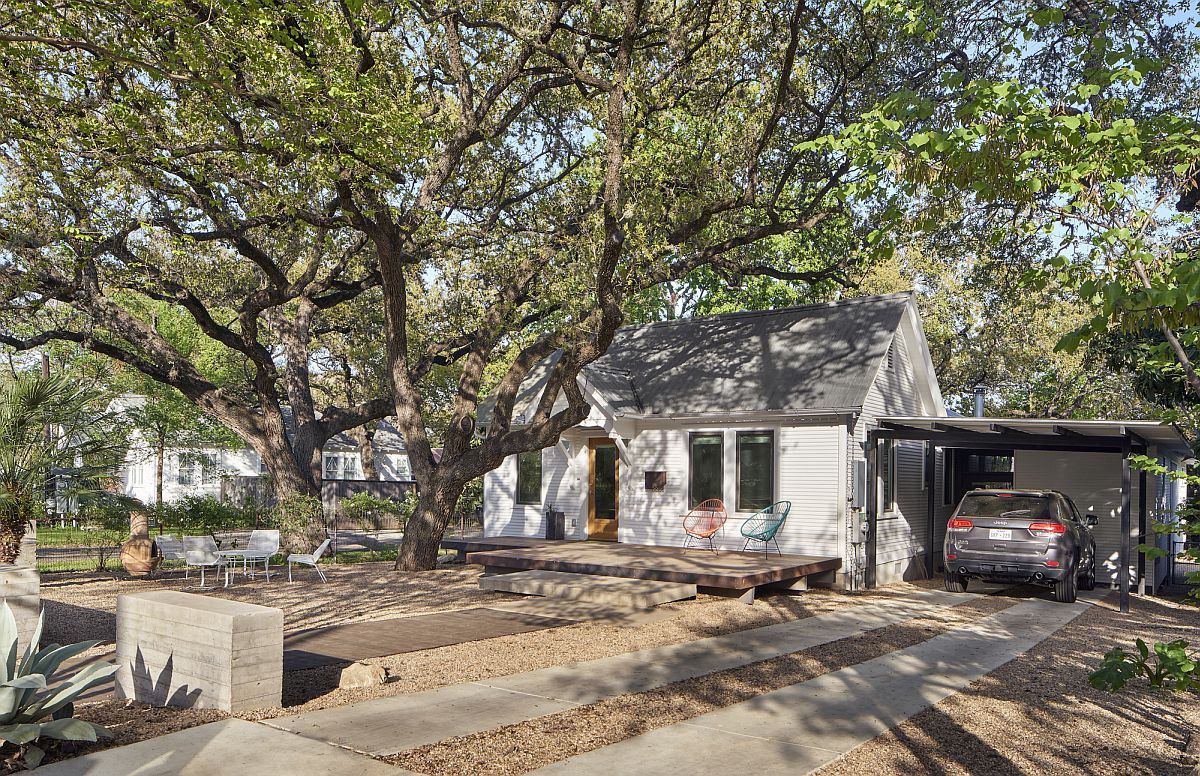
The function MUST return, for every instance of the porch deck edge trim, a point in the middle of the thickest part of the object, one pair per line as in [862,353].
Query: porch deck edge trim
[515,559]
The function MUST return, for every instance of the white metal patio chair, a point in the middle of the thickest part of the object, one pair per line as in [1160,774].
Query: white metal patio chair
[205,544]
[309,560]
[170,548]
[204,560]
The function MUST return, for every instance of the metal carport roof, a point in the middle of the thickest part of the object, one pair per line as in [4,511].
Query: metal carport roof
[1114,436]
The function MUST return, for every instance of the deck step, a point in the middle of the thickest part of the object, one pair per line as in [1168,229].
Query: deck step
[639,593]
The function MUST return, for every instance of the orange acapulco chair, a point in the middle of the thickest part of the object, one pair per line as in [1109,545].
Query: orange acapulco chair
[703,522]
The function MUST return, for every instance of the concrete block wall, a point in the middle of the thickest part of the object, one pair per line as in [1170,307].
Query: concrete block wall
[20,588]
[188,650]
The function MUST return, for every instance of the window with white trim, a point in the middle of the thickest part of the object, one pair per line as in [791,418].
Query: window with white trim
[341,466]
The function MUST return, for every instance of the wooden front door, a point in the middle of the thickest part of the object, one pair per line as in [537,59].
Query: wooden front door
[604,489]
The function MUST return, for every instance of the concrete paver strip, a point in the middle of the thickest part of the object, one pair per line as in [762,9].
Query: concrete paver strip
[386,726]
[231,746]
[798,729]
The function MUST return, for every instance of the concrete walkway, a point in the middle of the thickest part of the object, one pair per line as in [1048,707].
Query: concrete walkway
[385,726]
[798,729]
[226,748]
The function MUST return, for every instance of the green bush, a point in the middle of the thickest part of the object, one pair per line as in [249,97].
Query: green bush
[199,515]
[371,510]
[1167,667]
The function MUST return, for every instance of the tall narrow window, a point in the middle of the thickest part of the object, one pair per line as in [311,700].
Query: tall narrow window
[755,470]
[707,466]
[887,476]
[947,477]
[529,478]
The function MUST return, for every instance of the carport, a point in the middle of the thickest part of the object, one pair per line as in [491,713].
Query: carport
[1019,434]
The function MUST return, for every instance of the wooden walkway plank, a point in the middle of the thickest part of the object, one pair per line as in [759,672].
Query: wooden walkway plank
[380,638]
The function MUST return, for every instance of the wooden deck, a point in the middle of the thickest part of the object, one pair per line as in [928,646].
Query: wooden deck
[727,570]
[467,544]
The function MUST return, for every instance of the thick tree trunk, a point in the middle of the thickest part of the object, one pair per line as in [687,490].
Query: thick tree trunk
[14,518]
[424,531]
[366,451]
[159,456]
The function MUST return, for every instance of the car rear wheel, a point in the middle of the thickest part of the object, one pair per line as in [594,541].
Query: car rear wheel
[1065,590]
[1087,580]
[955,583]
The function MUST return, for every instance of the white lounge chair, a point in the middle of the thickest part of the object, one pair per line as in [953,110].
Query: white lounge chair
[309,560]
[206,559]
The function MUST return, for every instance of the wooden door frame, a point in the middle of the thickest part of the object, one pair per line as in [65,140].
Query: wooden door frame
[593,443]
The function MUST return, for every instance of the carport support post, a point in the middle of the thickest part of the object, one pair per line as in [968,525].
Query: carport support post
[930,481]
[1123,563]
[869,549]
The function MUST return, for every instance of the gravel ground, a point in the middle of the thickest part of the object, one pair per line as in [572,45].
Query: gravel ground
[77,610]
[1038,714]
[525,746]
[84,610]
[686,621]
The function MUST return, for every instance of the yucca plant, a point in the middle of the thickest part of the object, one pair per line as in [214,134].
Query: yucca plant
[35,702]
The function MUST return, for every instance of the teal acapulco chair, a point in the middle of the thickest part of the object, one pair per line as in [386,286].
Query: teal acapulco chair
[765,524]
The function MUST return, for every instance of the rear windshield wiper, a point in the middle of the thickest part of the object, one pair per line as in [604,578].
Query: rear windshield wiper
[1016,512]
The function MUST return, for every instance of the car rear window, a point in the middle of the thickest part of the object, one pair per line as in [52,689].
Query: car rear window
[995,505]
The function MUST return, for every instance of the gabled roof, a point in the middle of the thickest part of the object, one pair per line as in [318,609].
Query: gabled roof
[815,358]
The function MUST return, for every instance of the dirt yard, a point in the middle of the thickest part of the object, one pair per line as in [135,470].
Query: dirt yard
[1034,715]
[1038,714]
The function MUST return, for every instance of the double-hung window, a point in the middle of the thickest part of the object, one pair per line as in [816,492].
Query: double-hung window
[755,470]
[341,466]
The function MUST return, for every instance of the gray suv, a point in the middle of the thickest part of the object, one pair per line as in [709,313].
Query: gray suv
[1035,536]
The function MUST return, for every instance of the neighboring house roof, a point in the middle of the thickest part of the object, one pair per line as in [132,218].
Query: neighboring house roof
[387,437]
[815,358]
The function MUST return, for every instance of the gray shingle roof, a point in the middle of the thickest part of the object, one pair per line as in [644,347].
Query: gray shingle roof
[799,359]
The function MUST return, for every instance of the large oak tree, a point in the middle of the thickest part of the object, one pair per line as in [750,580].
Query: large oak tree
[494,181]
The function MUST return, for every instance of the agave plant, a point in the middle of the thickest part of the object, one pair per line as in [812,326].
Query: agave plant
[35,702]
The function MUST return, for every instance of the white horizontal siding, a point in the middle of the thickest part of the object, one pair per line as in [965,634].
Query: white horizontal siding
[903,532]
[502,515]
[1093,482]
[807,473]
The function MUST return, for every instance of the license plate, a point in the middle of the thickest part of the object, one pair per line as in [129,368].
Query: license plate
[1003,534]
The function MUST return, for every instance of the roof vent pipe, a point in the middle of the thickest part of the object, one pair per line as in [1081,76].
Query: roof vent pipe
[979,401]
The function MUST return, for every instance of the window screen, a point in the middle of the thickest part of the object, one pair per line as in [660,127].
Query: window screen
[529,477]
[755,470]
[706,466]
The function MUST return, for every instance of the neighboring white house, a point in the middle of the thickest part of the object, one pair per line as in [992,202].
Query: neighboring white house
[758,407]
[200,471]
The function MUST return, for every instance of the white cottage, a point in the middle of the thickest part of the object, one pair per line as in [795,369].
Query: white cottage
[747,407]
[787,404]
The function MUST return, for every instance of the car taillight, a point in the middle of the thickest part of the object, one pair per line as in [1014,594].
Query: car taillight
[1053,564]
[959,524]
[1046,529]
